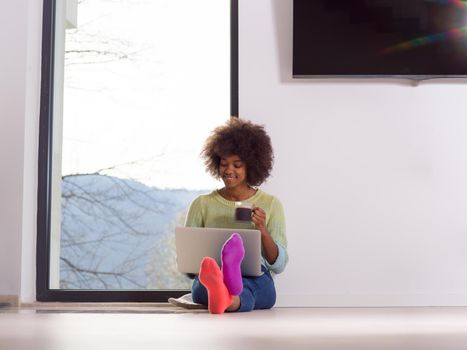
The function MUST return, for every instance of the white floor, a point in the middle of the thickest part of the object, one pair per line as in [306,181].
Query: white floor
[154,327]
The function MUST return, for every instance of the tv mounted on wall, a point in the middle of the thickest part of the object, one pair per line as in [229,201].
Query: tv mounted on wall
[416,39]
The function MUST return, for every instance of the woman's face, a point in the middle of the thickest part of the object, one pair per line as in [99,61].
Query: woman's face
[232,171]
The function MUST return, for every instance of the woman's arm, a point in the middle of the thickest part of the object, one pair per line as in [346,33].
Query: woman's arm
[271,251]
[273,236]
[194,217]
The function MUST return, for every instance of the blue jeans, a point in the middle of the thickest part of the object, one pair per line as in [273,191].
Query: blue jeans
[258,292]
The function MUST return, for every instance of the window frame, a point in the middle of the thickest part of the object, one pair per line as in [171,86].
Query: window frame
[44,193]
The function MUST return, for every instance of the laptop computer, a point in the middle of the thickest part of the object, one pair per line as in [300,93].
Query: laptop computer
[194,243]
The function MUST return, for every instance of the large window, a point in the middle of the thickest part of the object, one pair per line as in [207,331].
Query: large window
[130,89]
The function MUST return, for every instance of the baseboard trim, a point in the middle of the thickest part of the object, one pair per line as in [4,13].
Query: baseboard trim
[9,300]
[372,300]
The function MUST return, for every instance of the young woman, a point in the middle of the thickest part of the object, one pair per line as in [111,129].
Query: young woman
[240,154]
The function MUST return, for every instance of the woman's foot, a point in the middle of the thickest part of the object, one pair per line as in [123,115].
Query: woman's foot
[211,277]
[232,256]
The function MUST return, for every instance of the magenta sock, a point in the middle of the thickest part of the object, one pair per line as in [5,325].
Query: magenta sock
[232,256]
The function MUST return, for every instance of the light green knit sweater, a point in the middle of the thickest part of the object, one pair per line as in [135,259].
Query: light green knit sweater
[213,210]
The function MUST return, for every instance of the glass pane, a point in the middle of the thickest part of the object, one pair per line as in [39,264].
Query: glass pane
[144,82]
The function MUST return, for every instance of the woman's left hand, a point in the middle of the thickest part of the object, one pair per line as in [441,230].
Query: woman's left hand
[259,218]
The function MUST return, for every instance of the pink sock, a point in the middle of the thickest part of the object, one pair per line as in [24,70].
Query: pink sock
[232,256]
[210,275]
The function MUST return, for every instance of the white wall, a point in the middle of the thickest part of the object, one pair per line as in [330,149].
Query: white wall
[20,41]
[372,174]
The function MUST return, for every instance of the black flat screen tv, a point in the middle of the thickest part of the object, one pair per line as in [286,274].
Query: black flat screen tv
[417,39]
